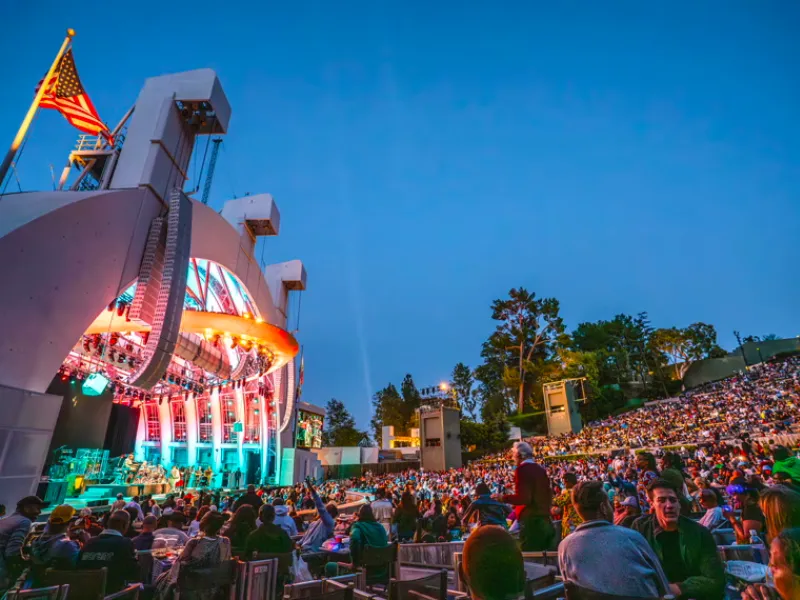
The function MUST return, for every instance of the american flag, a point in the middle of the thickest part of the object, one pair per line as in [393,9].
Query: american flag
[65,93]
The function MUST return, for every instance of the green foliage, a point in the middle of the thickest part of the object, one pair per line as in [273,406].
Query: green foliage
[682,347]
[523,342]
[340,427]
[489,436]
[461,381]
[530,423]
[396,409]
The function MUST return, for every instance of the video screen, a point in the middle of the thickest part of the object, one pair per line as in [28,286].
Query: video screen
[309,430]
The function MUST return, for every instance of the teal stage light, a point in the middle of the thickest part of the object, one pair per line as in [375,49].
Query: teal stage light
[95,384]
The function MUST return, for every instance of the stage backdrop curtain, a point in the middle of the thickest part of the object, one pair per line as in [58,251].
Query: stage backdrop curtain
[121,432]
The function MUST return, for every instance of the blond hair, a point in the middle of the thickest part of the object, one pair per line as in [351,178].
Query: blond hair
[781,508]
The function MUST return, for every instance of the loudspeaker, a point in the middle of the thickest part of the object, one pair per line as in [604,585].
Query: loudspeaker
[52,491]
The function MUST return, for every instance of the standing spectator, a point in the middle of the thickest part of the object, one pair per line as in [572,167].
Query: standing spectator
[686,549]
[282,518]
[637,572]
[405,517]
[570,518]
[111,549]
[532,491]
[13,530]
[488,510]
[383,510]
[134,504]
[250,497]
[119,504]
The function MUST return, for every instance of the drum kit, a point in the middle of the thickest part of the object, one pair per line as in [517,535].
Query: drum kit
[130,471]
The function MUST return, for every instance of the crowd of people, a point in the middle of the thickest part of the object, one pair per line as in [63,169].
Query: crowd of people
[763,401]
[655,514]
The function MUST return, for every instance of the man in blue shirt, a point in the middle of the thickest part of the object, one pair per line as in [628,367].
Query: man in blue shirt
[13,530]
[489,511]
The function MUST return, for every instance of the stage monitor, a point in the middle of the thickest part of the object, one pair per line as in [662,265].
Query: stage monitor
[309,430]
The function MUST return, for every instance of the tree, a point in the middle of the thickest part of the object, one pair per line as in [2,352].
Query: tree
[461,381]
[340,427]
[682,347]
[397,409]
[524,338]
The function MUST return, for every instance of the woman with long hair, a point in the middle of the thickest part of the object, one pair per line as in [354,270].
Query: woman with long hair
[405,517]
[240,526]
[784,563]
[194,526]
[200,553]
[781,508]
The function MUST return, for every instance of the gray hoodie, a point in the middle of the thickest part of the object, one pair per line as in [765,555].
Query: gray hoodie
[284,521]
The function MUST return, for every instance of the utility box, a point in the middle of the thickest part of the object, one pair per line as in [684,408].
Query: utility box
[440,436]
[561,408]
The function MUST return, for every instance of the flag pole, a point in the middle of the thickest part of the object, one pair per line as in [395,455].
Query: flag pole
[26,122]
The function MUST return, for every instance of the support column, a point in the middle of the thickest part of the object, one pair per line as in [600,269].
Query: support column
[216,428]
[165,420]
[192,429]
[238,399]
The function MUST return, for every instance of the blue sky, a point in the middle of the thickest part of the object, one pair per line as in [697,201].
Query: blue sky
[427,157]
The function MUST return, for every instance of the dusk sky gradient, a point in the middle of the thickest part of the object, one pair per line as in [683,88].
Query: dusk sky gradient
[426,157]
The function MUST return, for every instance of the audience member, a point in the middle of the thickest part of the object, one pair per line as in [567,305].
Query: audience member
[492,565]
[383,510]
[13,530]
[174,529]
[570,518]
[249,497]
[144,541]
[283,519]
[637,571]
[111,549]
[53,549]
[785,566]
[713,517]
[686,549]
[533,493]
[781,508]
[269,537]
[488,510]
[240,526]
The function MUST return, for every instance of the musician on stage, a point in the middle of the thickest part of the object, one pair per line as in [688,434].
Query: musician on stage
[130,467]
[174,478]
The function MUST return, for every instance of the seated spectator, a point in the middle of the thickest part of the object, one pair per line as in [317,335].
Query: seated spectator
[713,517]
[686,549]
[366,531]
[53,549]
[13,530]
[488,510]
[174,529]
[283,519]
[630,512]
[144,541]
[752,519]
[134,504]
[269,537]
[785,565]
[492,564]
[204,552]
[240,526]
[322,528]
[454,529]
[299,523]
[781,508]
[194,526]
[112,550]
[637,571]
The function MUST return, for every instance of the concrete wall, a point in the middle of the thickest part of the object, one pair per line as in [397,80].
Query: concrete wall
[27,420]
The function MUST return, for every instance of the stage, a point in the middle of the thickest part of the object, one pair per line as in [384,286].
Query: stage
[111,490]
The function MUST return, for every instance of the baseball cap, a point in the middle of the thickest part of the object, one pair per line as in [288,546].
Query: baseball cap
[630,501]
[61,514]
